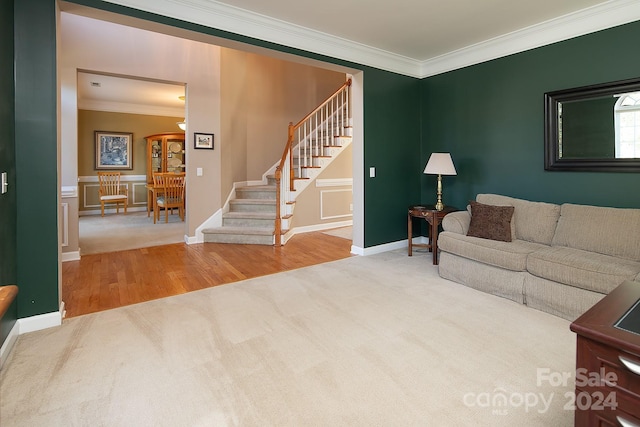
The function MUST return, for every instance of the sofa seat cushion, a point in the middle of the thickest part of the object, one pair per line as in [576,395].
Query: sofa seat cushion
[508,255]
[587,270]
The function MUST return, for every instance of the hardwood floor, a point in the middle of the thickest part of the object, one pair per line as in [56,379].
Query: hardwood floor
[104,281]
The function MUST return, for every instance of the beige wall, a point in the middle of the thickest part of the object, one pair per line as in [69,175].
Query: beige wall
[233,101]
[248,113]
[259,98]
[100,46]
[323,204]
[138,124]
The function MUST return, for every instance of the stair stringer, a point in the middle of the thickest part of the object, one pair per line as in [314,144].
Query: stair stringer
[302,183]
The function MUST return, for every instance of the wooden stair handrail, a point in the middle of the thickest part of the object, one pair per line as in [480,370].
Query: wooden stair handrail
[7,295]
[288,151]
[319,107]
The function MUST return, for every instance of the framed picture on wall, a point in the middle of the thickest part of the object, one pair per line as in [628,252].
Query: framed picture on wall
[203,140]
[114,150]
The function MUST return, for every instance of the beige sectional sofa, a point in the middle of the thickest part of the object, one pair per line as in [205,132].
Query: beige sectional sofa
[562,258]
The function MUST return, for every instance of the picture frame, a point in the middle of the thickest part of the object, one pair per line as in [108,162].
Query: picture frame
[203,141]
[114,150]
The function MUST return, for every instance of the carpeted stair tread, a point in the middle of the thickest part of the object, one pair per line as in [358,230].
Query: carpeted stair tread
[239,230]
[250,215]
[265,187]
[252,201]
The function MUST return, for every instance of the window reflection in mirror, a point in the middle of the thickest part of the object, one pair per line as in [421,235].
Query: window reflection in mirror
[627,126]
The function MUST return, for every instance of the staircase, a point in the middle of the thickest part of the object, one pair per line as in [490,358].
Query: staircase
[250,218]
[261,214]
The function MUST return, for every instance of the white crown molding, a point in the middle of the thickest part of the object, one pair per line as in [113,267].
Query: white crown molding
[213,14]
[592,19]
[120,107]
[224,17]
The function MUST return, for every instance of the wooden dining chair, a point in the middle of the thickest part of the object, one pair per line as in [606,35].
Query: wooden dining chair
[170,190]
[111,192]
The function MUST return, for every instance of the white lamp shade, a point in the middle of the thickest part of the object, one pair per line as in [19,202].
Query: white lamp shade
[440,164]
[182,125]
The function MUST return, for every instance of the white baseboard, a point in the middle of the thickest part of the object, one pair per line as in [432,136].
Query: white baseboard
[8,343]
[214,220]
[316,227]
[70,256]
[113,210]
[321,227]
[30,324]
[40,321]
[400,244]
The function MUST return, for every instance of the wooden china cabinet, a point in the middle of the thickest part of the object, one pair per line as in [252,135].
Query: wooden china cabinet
[165,153]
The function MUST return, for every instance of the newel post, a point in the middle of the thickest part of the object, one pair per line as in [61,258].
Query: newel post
[290,144]
[278,226]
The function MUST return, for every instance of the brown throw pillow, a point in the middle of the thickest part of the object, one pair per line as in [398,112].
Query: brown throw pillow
[491,222]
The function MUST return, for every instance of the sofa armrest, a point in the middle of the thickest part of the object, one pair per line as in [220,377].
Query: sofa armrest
[457,222]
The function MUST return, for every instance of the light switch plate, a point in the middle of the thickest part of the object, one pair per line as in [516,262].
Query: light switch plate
[372,172]
[4,184]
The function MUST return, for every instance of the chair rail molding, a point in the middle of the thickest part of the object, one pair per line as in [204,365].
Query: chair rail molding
[128,178]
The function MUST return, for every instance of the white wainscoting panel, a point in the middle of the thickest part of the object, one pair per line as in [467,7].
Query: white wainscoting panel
[334,206]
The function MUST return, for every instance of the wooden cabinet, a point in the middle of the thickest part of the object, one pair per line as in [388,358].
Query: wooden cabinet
[165,153]
[608,361]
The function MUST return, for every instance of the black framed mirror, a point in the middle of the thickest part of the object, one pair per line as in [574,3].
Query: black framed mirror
[593,128]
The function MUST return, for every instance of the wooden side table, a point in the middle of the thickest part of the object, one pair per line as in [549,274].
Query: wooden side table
[434,218]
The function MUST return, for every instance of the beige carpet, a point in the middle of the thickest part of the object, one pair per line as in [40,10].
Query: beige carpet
[118,232]
[365,341]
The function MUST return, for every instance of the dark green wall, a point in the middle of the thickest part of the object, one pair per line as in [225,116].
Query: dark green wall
[8,270]
[392,146]
[490,117]
[36,156]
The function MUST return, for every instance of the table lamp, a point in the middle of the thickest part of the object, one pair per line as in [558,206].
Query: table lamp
[440,164]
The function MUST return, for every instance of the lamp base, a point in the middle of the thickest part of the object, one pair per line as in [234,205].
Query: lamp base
[439,204]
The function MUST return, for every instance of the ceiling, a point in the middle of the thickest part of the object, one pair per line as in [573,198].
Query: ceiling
[418,38]
[123,94]
[412,37]
[416,29]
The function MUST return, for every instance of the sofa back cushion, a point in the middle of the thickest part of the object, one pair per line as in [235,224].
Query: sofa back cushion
[609,231]
[534,221]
